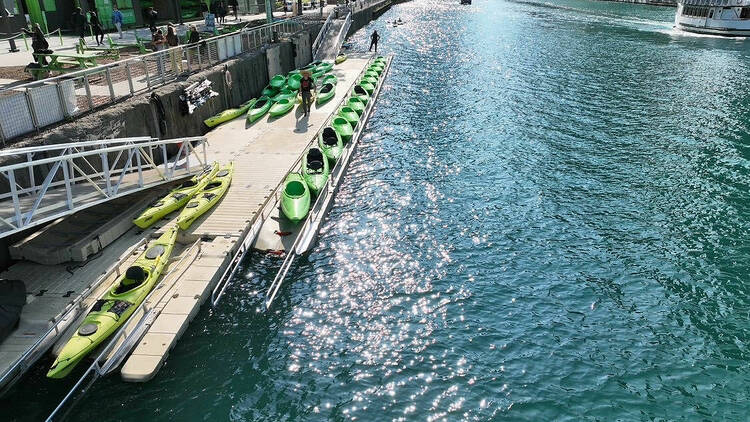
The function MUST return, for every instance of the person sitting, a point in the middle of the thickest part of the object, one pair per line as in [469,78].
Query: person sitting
[39,44]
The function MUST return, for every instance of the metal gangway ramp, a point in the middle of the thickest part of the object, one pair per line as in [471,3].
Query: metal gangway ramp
[43,183]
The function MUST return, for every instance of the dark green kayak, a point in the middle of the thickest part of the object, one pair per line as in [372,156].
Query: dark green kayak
[350,115]
[343,128]
[295,198]
[329,141]
[277,81]
[269,91]
[282,107]
[370,88]
[284,94]
[325,93]
[356,104]
[259,109]
[361,93]
[315,170]
[293,81]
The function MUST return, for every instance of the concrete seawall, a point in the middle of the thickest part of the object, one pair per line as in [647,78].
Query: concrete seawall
[671,3]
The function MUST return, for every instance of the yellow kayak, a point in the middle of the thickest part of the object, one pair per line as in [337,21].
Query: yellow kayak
[207,197]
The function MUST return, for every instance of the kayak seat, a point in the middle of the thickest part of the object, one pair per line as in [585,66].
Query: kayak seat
[134,277]
[212,185]
[260,104]
[359,90]
[326,88]
[294,189]
[189,184]
[315,166]
[313,155]
[209,196]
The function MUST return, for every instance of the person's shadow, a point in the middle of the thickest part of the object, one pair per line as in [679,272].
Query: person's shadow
[302,120]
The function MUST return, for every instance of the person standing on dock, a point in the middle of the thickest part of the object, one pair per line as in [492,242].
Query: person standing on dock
[235,6]
[79,22]
[96,27]
[306,87]
[117,19]
[374,40]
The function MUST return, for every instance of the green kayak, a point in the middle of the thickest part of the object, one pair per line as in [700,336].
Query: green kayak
[293,81]
[284,94]
[380,59]
[324,67]
[370,88]
[350,115]
[329,141]
[317,75]
[325,93]
[277,81]
[259,109]
[356,104]
[295,199]
[229,114]
[115,307]
[343,128]
[269,91]
[176,199]
[282,107]
[376,69]
[340,58]
[207,197]
[370,79]
[361,93]
[329,79]
[372,74]
[315,170]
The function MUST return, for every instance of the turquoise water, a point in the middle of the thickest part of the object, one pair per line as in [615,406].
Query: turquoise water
[547,220]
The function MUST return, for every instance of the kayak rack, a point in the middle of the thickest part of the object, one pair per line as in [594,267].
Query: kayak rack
[69,315]
[97,370]
[322,204]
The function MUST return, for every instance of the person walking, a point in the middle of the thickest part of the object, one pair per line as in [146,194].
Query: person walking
[79,23]
[117,19]
[221,12]
[39,44]
[159,43]
[235,6]
[173,41]
[306,87]
[374,38]
[96,27]
[152,15]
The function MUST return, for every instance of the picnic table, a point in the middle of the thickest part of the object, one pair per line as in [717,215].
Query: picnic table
[63,62]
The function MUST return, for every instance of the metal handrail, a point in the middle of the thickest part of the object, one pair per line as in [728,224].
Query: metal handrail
[53,147]
[321,35]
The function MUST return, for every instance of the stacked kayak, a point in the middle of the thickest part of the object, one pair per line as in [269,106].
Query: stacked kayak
[281,107]
[295,199]
[326,92]
[115,307]
[315,170]
[329,141]
[285,93]
[330,79]
[229,114]
[324,67]
[176,199]
[343,128]
[259,109]
[269,91]
[207,198]
[277,81]
[293,81]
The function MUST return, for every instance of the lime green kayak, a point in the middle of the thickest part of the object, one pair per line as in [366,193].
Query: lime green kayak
[329,79]
[115,307]
[325,93]
[295,199]
[329,141]
[176,199]
[317,75]
[370,88]
[356,104]
[207,197]
[315,170]
[229,114]
[269,91]
[282,107]
[277,81]
[343,128]
[372,74]
[340,58]
[284,94]
[293,81]
[370,79]
[376,69]
[361,94]
[350,115]
[259,109]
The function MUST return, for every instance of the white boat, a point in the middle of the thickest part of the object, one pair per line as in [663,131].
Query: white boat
[715,17]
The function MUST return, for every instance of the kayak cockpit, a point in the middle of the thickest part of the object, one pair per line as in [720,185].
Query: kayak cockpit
[315,160]
[329,137]
[326,88]
[135,276]
[294,189]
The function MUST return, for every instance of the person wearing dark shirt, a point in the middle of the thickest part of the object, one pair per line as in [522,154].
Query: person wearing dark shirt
[38,43]
[79,22]
[374,40]
[306,88]
[194,35]
[235,6]
[152,16]
[96,27]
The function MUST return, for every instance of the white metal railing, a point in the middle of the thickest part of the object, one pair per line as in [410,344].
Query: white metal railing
[321,36]
[83,174]
[35,105]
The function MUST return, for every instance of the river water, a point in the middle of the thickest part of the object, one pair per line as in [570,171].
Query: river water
[547,220]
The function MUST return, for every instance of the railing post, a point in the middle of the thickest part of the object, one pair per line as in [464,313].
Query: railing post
[88,91]
[130,77]
[14,193]
[145,69]
[68,192]
[109,83]
[30,105]
[105,172]
[61,99]
[32,180]
[140,168]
